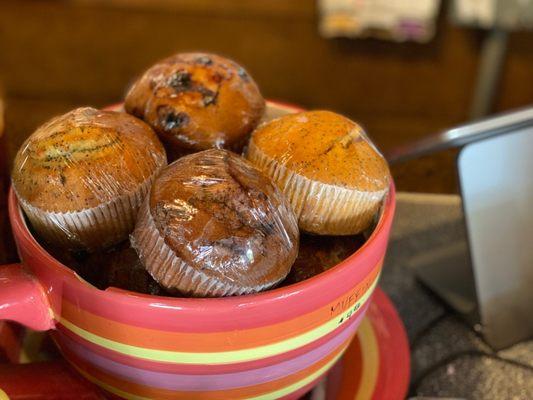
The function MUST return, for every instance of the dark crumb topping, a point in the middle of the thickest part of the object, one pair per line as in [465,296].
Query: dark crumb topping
[181,81]
[175,120]
[204,60]
[171,120]
[243,74]
[217,77]
[209,97]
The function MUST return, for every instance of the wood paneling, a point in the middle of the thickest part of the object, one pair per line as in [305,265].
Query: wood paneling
[517,82]
[7,249]
[57,55]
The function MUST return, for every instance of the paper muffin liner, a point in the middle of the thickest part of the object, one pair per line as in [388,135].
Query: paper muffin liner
[174,274]
[320,208]
[91,228]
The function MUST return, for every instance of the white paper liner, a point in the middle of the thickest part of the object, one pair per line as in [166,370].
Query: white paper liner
[172,272]
[320,208]
[92,228]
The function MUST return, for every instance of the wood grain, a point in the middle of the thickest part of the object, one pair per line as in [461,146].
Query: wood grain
[58,55]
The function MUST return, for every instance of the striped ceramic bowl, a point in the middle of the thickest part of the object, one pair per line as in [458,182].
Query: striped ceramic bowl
[270,345]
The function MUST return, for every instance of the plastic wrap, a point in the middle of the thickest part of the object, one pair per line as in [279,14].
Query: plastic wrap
[213,225]
[197,101]
[332,174]
[82,176]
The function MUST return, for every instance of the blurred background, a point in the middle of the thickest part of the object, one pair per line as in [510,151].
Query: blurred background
[404,69]
[56,55]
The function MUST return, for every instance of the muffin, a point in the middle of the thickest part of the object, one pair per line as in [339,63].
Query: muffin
[213,225]
[320,253]
[82,176]
[332,174]
[120,267]
[76,260]
[197,101]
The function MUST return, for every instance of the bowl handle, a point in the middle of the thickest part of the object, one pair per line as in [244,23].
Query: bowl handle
[22,299]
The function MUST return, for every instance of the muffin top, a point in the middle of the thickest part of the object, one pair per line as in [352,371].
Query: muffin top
[325,147]
[197,101]
[221,216]
[84,158]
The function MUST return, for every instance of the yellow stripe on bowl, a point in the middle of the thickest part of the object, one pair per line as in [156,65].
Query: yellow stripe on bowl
[228,357]
[370,358]
[268,396]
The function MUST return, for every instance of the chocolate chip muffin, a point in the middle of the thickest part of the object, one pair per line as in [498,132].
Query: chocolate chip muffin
[213,225]
[121,268]
[118,266]
[197,101]
[82,176]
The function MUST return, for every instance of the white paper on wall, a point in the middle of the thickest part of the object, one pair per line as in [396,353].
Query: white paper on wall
[487,14]
[398,20]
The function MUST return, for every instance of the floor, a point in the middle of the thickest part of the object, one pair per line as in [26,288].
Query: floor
[449,359]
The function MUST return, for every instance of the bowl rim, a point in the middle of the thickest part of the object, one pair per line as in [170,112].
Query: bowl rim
[24,237]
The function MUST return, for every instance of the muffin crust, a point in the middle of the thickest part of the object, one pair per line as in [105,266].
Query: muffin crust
[223,220]
[197,101]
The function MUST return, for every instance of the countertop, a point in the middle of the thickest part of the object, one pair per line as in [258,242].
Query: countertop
[449,359]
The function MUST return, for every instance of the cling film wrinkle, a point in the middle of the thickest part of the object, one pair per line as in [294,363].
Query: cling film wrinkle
[213,225]
[84,173]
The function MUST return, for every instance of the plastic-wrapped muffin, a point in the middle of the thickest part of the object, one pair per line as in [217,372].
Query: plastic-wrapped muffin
[213,225]
[320,253]
[82,176]
[332,174]
[197,101]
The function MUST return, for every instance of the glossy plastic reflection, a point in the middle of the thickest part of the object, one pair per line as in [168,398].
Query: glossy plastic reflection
[274,344]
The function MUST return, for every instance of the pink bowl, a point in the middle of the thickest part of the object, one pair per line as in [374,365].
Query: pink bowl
[275,344]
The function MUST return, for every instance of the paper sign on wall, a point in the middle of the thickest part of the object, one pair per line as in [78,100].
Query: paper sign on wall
[398,20]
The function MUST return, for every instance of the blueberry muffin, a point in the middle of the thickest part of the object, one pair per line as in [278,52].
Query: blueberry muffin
[197,101]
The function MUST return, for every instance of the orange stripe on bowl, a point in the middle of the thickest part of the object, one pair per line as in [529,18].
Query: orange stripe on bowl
[132,390]
[216,341]
[227,357]
[351,370]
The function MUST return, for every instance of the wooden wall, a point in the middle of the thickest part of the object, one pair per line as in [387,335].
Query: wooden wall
[55,55]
